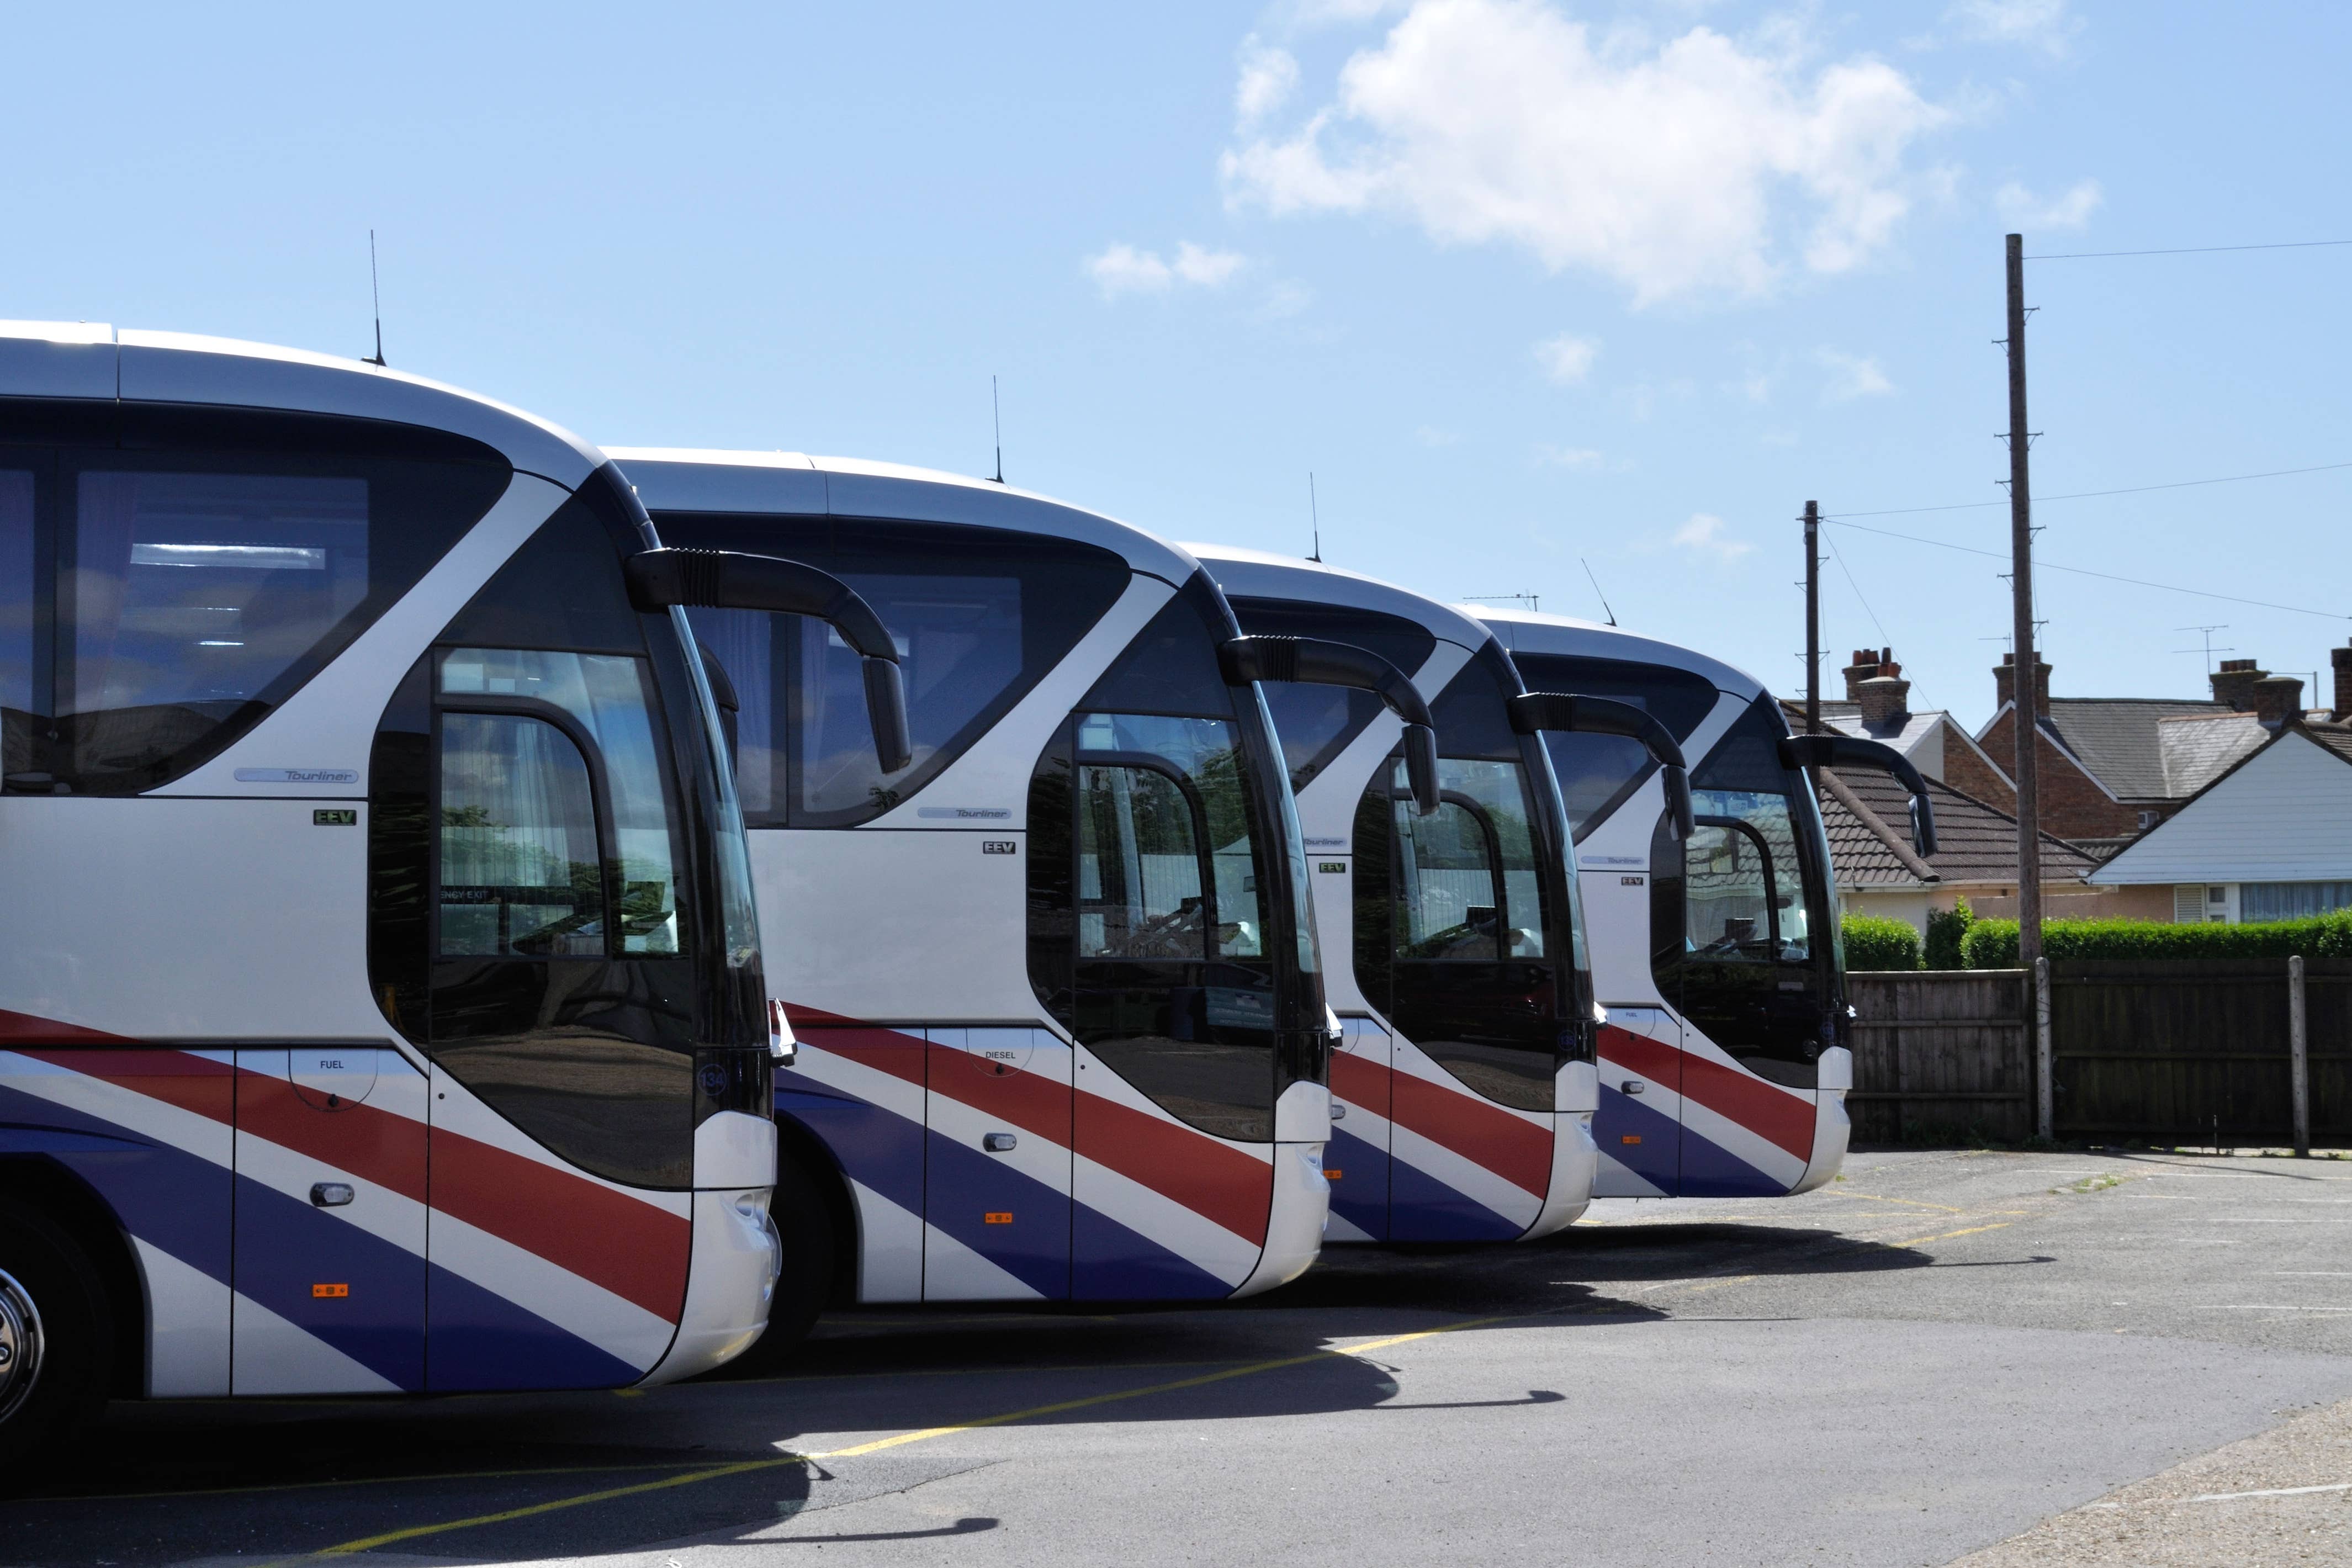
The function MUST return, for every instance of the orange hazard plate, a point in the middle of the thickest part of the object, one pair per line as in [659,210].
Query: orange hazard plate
[998,1219]
[327,1292]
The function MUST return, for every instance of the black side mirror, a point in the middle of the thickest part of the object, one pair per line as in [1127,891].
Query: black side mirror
[731,580]
[1312,662]
[1854,752]
[1533,712]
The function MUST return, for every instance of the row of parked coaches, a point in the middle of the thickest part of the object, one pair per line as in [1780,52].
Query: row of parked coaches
[486,912]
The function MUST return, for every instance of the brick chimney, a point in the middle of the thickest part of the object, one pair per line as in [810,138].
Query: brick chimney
[1885,700]
[1869,664]
[2278,701]
[2341,658]
[2004,684]
[2233,683]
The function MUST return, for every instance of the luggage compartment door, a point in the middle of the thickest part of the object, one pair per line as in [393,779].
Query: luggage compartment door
[996,1199]
[1638,1128]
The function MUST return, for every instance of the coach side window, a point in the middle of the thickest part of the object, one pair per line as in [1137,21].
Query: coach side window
[17,609]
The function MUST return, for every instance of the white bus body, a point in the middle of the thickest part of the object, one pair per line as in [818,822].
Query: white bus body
[1060,1031]
[1465,1093]
[379,1006]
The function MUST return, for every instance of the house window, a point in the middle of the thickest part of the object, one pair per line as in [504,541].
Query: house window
[2292,900]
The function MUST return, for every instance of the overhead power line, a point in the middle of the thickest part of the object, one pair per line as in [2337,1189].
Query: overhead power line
[2088,495]
[2190,250]
[2086,571]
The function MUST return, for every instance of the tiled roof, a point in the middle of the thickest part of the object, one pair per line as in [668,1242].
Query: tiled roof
[2195,749]
[1975,844]
[2116,737]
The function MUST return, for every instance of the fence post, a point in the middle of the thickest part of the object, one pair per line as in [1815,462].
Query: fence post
[2045,1086]
[2298,1046]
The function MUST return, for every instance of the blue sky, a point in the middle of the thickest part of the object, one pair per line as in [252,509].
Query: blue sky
[1523,282]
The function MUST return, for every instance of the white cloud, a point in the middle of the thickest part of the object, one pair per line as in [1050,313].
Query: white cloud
[1703,536]
[2042,24]
[1567,358]
[1552,457]
[1851,377]
[1121,269]
[1681,170]
[2022,207]
[1268,78]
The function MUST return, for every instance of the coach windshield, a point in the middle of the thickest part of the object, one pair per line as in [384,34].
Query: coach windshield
[1468,933]
[1169,929]
[1742,929]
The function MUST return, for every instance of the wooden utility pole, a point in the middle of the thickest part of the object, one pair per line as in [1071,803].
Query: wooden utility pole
[1813,618]
[2021,585]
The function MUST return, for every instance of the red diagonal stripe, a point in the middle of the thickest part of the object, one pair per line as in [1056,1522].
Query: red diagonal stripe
[1519,1151]
[373,1144]
[1771,1113]
[1029,1100]
[1213,1180]
[1359,1081]
[630,1248]
[191,1082]
[1653,1059]
[885,1050]
[32,1028]
[1783,1117]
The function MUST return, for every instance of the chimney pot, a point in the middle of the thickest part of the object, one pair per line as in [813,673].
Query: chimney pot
[2234,682]
[1863,668]
[2278,701]
[2341,658]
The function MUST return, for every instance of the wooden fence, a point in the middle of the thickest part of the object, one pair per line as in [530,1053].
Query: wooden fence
[2197,1052]
[2184,1051]
[1939,1054]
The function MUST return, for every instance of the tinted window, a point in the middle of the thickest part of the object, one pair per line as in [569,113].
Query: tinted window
[534,923]
[604,697]
[1451,929]
[1161,905]
[163,594]
[979,617]
[1316,724]
[1469,884]
[1738,910]
[16,614]
[521,873]
[1598,772]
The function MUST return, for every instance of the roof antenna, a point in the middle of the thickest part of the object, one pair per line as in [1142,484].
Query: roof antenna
[1597,594]
[1315,516]
[375,292]
[997,414]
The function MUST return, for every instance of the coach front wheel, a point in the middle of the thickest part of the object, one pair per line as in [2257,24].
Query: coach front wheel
[55,1333]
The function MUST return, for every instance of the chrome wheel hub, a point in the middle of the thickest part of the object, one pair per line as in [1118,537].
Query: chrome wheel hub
[20,1344]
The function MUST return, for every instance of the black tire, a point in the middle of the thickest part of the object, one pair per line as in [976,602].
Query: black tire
[805,1221]
[55,1313]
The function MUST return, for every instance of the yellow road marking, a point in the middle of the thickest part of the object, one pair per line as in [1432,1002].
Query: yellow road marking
[615,1468]
[1972,1230]
[717,1472]
[1913,1203]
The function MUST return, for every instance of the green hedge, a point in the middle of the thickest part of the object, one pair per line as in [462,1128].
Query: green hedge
[1875,941]
[1946,930]
[1992,944]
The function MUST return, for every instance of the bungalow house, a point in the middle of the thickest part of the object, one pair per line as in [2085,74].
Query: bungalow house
[2269,838]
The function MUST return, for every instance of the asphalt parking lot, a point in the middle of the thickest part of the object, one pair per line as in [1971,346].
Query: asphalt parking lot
[2029,1357]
